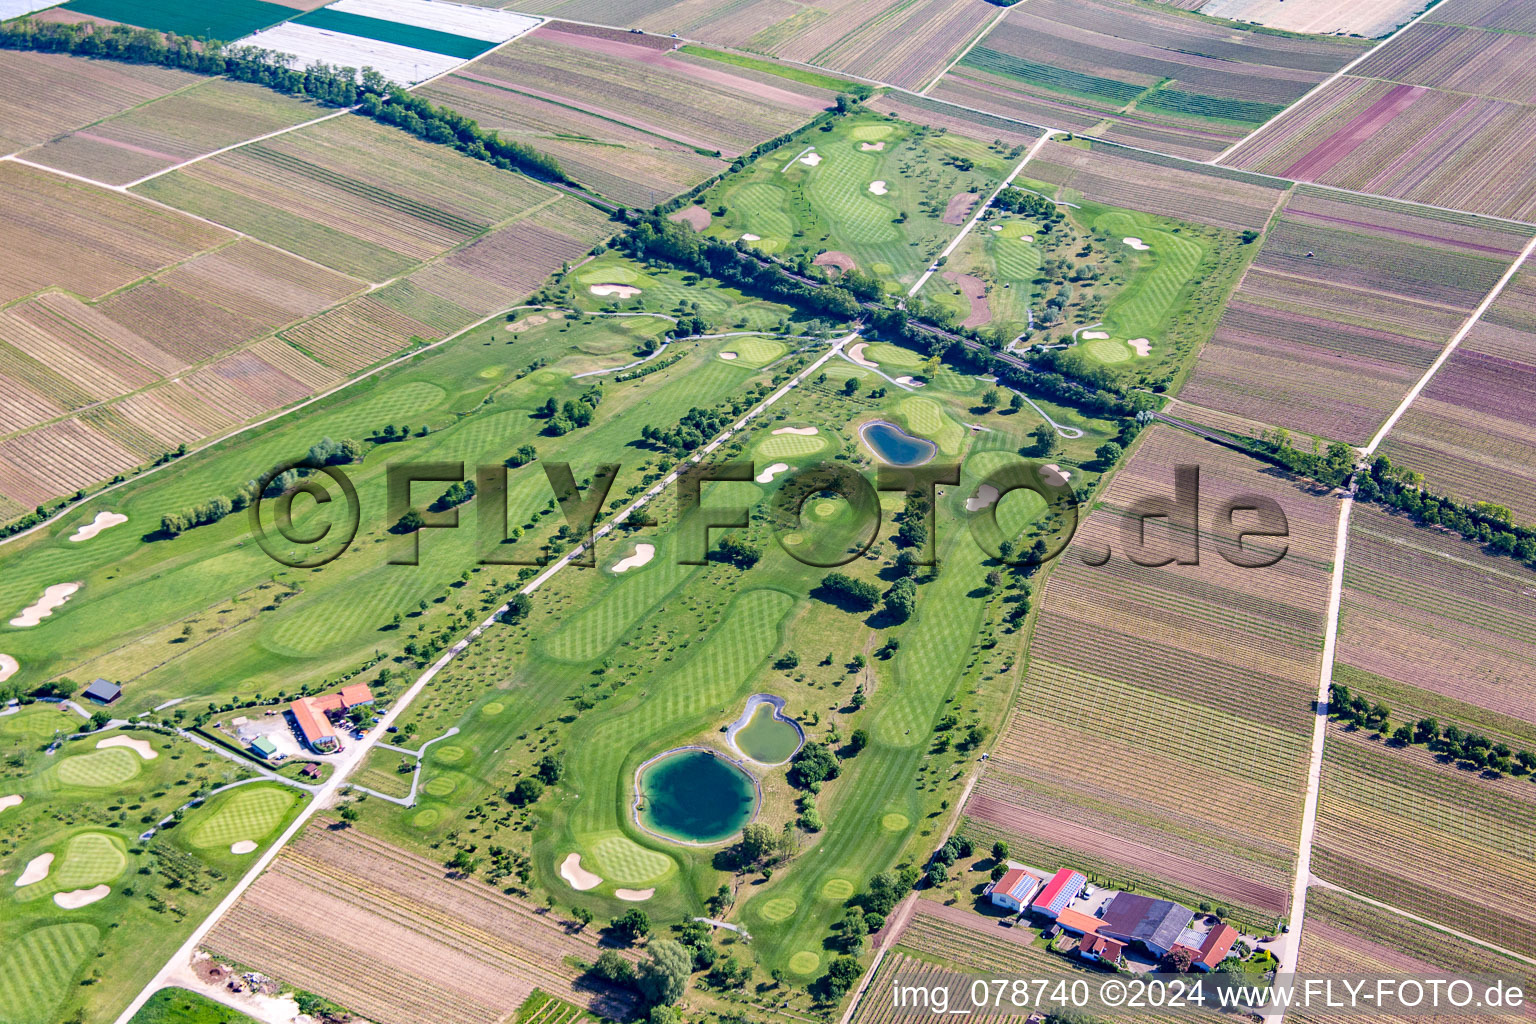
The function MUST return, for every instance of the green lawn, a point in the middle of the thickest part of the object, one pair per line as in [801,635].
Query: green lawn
[178,1006]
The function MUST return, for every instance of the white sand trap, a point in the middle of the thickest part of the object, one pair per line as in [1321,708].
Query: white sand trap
[643,553]
[7,802]
[997,227]
[103,521]
[634,895]
[579,877]
[767,475]
[1094,335]
[1055,475]
[1142,346]
[871,147]
[727,355]
[750,237]
[140,747]
[37,870]
[802,431]
[985,495]
[811,159]
[243,846]
[82,897]
[911,382]
[857,355]
[623,291]
[878,188]
[1136,243]
[51,599]
[8,667]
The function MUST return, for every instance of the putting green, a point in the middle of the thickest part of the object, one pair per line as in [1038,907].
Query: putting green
[778,909]
[40,968]
[870,132]
[250,812]
[804,962]
[825,509]
[493,709]
[894,822]
[924,415]
[448,754]
[763,208]
[40,722]
[837,889]
[425,818]
[888,355]
[99,769]
[440,785]
[1109,350]
[89,859]
[621,859]
[789,446]
[608,273]
[756,351]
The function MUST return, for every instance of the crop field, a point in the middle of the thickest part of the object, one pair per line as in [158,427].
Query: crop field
[225,20]
[1135,74]
[1345,935]
[905,44]
[1201,675]
[970,123]
[627,80]
[1392,827]
[86,807]
[1442,114]
[186,124]
[339,906]
[1466,432]
[46,94]
[1344,308]
[873,188]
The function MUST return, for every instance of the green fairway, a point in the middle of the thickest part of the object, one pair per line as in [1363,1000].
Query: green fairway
[249,813]
[90,858]
[39,968]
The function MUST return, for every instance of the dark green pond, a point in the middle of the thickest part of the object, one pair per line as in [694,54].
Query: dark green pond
[695,796]
[767,738]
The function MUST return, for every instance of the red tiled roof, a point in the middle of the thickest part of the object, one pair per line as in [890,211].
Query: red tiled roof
[1012,883]
[311,720]
[355,694]
[328,702]
[1059,890]
[1216,945]
[1100,946]
[1073,921]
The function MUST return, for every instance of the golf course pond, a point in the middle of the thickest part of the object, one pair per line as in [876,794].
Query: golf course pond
[895,446]
[694,795]
[764,733]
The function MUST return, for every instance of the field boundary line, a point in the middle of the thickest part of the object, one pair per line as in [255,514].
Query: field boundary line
[1451,346]
[358,753]
[1323,883]
[246,142]
[981,210]
[996,21]
[13,158]
[1320,86]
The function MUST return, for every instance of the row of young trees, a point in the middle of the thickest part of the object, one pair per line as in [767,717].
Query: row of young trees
[1469,748]
[326,452]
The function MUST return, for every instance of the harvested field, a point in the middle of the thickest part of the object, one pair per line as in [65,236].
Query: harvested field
[60,458]
[46,94]
[339,906]
[181,126]
[90,241]
[1443,114]
[906,44]
[1468,431]
[1202,675]
[1346,306]
[1171,83]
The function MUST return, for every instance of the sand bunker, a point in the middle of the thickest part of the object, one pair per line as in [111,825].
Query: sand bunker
[52,598]
[103,521]
[727,355]
[8,667]
[643,553]
[802,431]
[871,147]
[1136,243]
[577,876]
[985,495]
[878,188]
[7,802]
[750,237]
[1055,475]
[140,747]
[767,475]
[37,870]
[1142,346]
[811,159]
[82,897]
[623,291]
[911,382]
[997,227]
[634,895]
[695,217]
[857,355]
[243,846]
[1093,335]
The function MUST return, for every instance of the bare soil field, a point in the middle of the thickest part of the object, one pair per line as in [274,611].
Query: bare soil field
[391,936]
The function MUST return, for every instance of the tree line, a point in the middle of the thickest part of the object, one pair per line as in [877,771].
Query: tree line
[1451,741]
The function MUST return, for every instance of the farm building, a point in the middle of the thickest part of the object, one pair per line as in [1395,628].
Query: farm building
[311,715]
[310,771]
[1097,947]
[1216,947]
[263,746]
[1077,922]
[1156,924]
[103,692]
[1013,890]
[1058,892]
